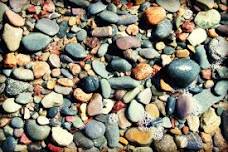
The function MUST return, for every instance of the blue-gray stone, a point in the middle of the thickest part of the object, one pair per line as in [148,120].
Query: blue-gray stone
[82,141]
[81,3]
[169,50]
[112,134]
[90,84]
[94,129]
[35,146]
[135,111]
[9,144]
[81,35]
[194,141]
[34,42]
[66,73]
[62,29]
[96,7]
[120,65]
[195,89]
[100,68]
[127,19]
[144,6]
[65,59]
[182,72]
[222,72]
[149,53]
[47,26]
[112,7]
[224,19]
[66,111]
[170,5]
[124,82]
[52,112]
[8,131]
[200,57]
[35,131]
[24,98]
[100,142]
[170,105]
[203,106]
[63,90]
[102,50]
[163,29]
[146,44]
[17,122]
[221,88]
[15,87]
[7,72]
[76,51]
[105,88]
[109,16]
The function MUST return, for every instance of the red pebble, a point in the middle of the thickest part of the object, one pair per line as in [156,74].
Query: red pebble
[69,118]
[32,9]
[54,148]
[118,105]
[24,139]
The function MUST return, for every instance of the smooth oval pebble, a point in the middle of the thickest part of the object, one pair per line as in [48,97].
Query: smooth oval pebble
[100,68]
[170,5]
[24,98]
[35,42]
[96,8]
[76,51]
[17,122]
[221,88]
[120,65]
[23,74]
[163,29]
[105,88]
[90,84]
[127,19]
[10,106]
[127,42]
[14,18]
[184,105]
[109,16]
[94,129]
[61,136]
[135,111]
[47,26]
[170,105]
[124,82]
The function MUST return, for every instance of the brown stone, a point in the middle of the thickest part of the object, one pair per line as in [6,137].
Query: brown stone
[66,82]
[10,60]
[40,69]
[154,15]
[182,53]
[188,26]
[206,74]
[80,95]
[142,71]
[95,105]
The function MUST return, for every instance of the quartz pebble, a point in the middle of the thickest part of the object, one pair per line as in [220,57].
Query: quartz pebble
[61,136]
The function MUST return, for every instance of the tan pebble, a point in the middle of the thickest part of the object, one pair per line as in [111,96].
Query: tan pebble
[152,110]
[160,46]
[75,68]
[51,84]
[66,82]
[4,121]
[122,120]
[166,59]
[45,56]
[40,69]
[209,84]
[22,59]
[191,48]
[142,71]
[10,60]
[182,53]
[80,95]
[165,86]
[72,21]
[56,72]
[206,137]
[154,15]
[175,131]
[206,74]
[183,36]
[14,18]
[212,33]
[123,141]
[132,29]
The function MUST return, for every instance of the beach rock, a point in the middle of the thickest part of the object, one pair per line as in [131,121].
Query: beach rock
[124,82]
[184,105]
[80,95]
[105,31]
[171,5]
[40,69]
[14,18]
[194,142]
[165,144]
[142,71]
[205,4]
[47,26]
[127,19]
[152,110]
[120,65]
[52,99]
[149,53]
[224,124]
[96,8]
[112,134]
[182,72]
[18,6]
[24,98]
[3,9]
[105,88]
[17,122]
[145,96]
[34,42]
[109,16]
[9,144]
[163,29]
[95,105]
[200,57]
[127,42]
[35,131]
[82,141]
[100,68]
[23,74]
[154,15]
[193,122]
[197,36]
[61,136]
[12,37]
[170,105]
[94,129]
[221,88]
[122,120]
[81,3]
[90,84]
[135,111]
[76,51]
[130,95]
[10,106]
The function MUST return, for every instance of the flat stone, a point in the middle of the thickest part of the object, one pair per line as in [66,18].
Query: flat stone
[105,31]
[82,96]
[47,26]
[109,16]
[197,36]
[10,106]
[17,122]
[182,72]
[42,120]
[61,136]
[138,136]
[120,65]
[171,5]
[95,105]
[141,71]
[124,82]
[193,123]
[130,95]
[127,42]
[24,98]
[112,134]
[54,60]
[149,53]
[12,37]
[97,7]
[90,84]
[23,74]
[81,3]
[170,105]
[194,142]
[135,111]
[108,105]
[40,69]
[34,42]
[81,35]
[207,19]
[165,144]
[94,129]
[123,122]
[76,51]
[200,57]
[35,131]
[152,110]
[100,68]
[52,99]
[105,88]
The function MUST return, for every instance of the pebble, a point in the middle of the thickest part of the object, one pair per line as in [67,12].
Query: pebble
[152,110]
[90,84]
[154,15]
[200,57]
[184,71]
[105,31]
[130,95]
[10,106]
[171,5]
[42,120]
[23,74]
[123,121]
[193,122]
[105,88]
[96,8]
[163,29]
[54,60]
[221,88]
[207,19]
[127,42]
[35,131]
[120,65]
[224,124]
[18,6]
[62,29]
[17,122]
[24,98]
[65,82]
[194,142]
[135,111]
[124,82]
[22,59]
[100,68]
[184,105]
[35,41]
[80,95]
[145,96]
[3,8]
[12,37]
[206,4]
[142,71]
[112,134]
[40,69]
[149,53]
[52,99]
[47,26]
[138,136]
[197,36]
[108,16]
[82,141]
[9,144]
[81,35]
[170,105]
[81,3]
[95,105]
[165,144]
[127,19]
[14,18]
[94,129]
[61,136]
[76,51]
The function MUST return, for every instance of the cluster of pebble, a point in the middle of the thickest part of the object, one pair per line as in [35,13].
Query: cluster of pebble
[113,75]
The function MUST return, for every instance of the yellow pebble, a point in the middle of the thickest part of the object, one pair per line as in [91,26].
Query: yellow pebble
[51,84]
[123,141]
[72,21]
[152,109]
[175,131]
[165,86]
[182,53]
